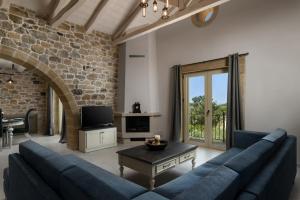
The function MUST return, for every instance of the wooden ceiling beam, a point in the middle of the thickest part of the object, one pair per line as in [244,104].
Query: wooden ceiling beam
[65,12]
[89,24]
[195,7]
[49,12]
[127,20]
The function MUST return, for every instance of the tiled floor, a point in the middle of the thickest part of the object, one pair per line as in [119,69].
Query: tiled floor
[107,159]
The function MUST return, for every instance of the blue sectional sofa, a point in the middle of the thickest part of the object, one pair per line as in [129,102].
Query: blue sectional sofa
[260,166]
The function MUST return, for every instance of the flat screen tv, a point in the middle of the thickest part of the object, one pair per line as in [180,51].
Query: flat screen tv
[96,117]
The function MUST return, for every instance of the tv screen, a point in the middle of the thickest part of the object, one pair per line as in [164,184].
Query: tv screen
[96,116]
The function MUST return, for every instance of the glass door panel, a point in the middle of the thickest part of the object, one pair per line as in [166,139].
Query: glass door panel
[219,107]
[196,107]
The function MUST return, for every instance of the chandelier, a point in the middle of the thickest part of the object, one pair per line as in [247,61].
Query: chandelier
[144,4]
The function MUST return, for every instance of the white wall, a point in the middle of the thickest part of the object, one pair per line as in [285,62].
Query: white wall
[138,75]
[270,31]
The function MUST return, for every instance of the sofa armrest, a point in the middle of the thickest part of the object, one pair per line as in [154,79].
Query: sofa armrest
[244,139]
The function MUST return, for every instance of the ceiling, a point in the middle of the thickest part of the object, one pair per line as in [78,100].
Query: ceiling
[120,18]
[107,21]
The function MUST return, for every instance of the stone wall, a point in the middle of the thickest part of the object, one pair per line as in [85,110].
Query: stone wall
[86,61]
[28,91]
[66,56]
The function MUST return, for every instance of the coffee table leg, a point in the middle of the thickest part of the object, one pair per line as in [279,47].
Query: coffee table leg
[121,170]
[152,183]
[193,163]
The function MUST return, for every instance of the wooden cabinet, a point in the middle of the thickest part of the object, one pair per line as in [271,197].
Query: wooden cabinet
[93,140]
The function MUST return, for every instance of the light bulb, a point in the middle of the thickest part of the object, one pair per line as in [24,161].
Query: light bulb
[155,7]
[165,13]
[144,12]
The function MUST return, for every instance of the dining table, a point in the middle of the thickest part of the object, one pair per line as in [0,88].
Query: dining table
[7,136]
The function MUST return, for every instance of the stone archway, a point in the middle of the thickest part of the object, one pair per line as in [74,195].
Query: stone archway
[56,82]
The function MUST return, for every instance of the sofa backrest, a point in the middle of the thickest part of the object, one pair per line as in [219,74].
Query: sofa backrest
[221,184]
[25,183]
[87,181]
[48,164]
[250,161]
[276,179]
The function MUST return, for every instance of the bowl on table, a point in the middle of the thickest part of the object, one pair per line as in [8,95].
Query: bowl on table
[152,146]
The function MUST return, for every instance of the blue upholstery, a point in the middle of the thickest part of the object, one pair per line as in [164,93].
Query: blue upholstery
[258,167]
[150,196]
[281,169]
[247,196]
[223,183]
[48,164]
[224,157]
[25,183]
[248,162]
[244,139]
[91,182]
[277,136]
[177,186]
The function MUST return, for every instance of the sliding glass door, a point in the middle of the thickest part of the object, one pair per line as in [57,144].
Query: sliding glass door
[205,107]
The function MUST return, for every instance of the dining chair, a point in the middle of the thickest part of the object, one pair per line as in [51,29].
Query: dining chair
[25,128]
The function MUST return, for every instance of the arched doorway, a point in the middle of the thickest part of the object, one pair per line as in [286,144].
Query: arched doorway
[56,82]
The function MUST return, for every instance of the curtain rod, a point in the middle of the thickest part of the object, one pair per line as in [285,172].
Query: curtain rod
[244,54]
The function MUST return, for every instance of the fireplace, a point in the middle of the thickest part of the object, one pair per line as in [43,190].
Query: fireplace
[133,126]
[137,124]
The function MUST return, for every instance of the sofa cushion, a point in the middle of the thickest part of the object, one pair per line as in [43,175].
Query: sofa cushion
[150,196]
[178,185]
[224,157]
[25,183]
[277,177]
[222,184]
[247,196]
[277,136]
[48,164]
[249,162]
[93,182]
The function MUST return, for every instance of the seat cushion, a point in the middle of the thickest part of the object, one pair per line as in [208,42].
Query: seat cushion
[224,157]
[48,164]
[277,136]
[150,196]
[204,169]
[222,184]
[247,196]
[178,185]
[249,162]
[92,182]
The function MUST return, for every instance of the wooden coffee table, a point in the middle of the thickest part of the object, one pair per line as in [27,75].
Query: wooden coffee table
[153,163]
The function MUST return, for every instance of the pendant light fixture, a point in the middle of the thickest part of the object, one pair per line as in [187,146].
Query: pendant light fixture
[165,13]
[144,5]
[10,80]
[155,6]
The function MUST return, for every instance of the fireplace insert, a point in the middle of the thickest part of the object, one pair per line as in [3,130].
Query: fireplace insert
[137,124]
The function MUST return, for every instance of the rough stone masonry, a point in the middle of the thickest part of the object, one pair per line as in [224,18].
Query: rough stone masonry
[86,61]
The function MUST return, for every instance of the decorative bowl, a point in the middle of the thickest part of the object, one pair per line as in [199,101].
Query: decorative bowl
[156,147]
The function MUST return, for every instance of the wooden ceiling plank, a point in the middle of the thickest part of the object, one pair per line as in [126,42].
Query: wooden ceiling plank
[89,24]
[65,12]
[194,8]
[127,20]
[173,2]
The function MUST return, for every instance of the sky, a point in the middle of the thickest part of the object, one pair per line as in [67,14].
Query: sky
[219,87]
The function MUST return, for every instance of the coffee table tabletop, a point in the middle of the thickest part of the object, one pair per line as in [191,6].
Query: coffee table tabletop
[142,152]
[153,163]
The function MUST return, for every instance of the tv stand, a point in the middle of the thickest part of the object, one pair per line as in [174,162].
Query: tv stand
[95,139]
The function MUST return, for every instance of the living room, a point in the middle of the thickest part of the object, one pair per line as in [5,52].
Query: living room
[169,78]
